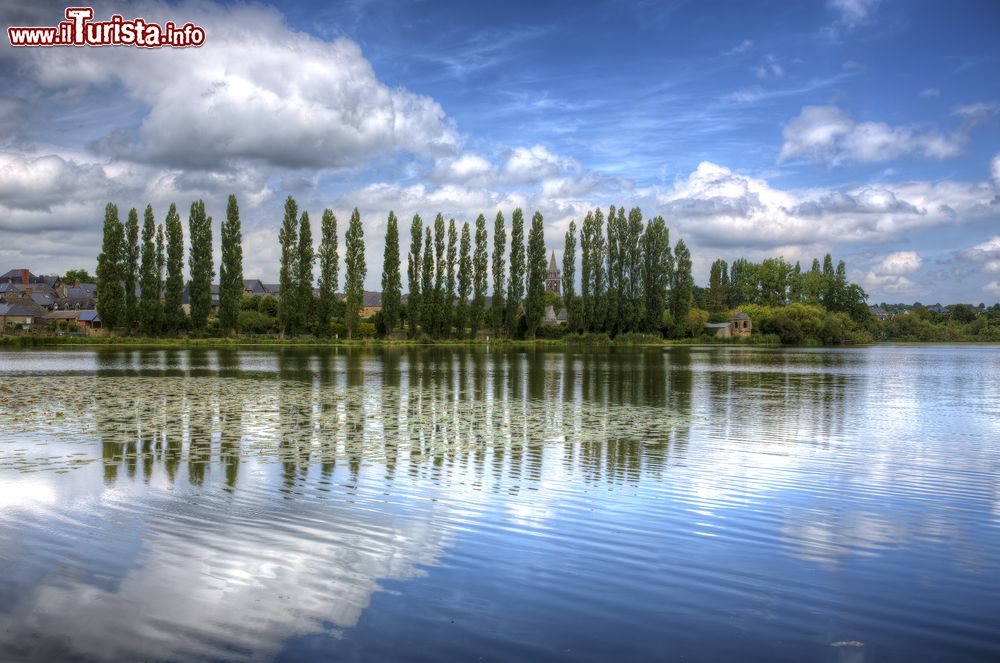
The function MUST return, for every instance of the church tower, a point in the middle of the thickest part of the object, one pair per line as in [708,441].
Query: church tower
[553,278]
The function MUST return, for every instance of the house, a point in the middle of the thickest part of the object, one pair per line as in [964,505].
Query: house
[23,277]
[21,314]
[739,325]
[879,312]
[89,319]
[255,288]
[273,289]
[186,298]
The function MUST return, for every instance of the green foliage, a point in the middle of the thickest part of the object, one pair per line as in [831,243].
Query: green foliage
[447,310]
[428,303]
[695,320]
[255,322]
[480,264]
[682,284]
[110,293]
[464,283]
[149,278]
[73,275]
[130,275]
[391,280]
[288,238]
[658,267]
[437,313]
[355,272]
[515,286]
[173,291]
[304,276]
[413,276]
[718,287]
[498,308]
[569,277]
[329,272]
[534,307]
[593,274]
[200,264]
[231,269]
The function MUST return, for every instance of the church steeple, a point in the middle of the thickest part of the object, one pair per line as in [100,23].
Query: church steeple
[553,280]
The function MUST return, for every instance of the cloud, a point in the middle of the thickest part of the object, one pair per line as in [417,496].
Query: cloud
[464,168]
[853,13]
[739,48]
[977,113]
[930,92]
[536,163]
[899,263]
[828,134]
[890,274]
[291,100]
[768,68]
[993,287]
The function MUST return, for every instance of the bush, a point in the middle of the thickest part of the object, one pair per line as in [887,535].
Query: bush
[268,306]
[551,331]
[589,339]
[254,322]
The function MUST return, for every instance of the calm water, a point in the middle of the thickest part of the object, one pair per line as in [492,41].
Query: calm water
[430,504]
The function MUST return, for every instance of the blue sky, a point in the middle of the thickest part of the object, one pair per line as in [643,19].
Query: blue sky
[867,128]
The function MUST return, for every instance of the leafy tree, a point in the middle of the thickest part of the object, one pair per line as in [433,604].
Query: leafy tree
[499,273]
[288,238]
[231,269]
[329,272]
[391,281]
[515,286]
[598,274]
[464,283]
[428,303]
[304,275]
[149,278]
[355,271]
[74,275]
[173,290]
[615,271]
[413,274]
[657,271]
[480,264]
[682,286]
[161,263]
[717,281]
[437,323]
[633,316]
[200,264]
[569,276]
[447,310]
[131,270]
[534,308]
[110,293]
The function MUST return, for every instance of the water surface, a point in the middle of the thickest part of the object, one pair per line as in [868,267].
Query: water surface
[466,504]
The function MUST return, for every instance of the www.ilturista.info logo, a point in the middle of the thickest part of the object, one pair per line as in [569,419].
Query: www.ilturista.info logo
[80,30]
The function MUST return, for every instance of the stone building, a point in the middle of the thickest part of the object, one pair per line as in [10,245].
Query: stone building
[553,278]
[739,325]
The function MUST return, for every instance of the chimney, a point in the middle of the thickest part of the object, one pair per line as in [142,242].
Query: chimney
[24,277]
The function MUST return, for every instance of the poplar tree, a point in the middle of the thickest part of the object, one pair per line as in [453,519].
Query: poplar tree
[499,273]
[110,293]
[569,277]
[515,286]
[200,264]
[355,271]
[448,307]
[717,286]
[329,272]
[149,281]
[441,266]
[615,272]
[413,274]
[161,263]
[304,275]
[231,269]
[682,286]
[464,283]
[586,273]
[288,238]
[391,285]
[428,303]
[131,271]
[658,263]
[598,274]
[173,289]
[480,264]
[534,308]
[633,318]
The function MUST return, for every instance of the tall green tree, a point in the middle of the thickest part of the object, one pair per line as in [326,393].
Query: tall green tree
[437,323]
[569,278]
[110,292]
[131,270]
[480,265]
[355,271]
[614,270]
[515,286]
[633,315]
[658,263]
[586,269]
[717,282]
[599,273]
[304,275]
[200,264]
[497,307]
[413,274]
[534,304]
[682,287]
[288,237]
[149,278]
[231,269]
[161,263]
[428,302]
[448,308]
[391,281]
[329,272]
[173,289]
[464,283]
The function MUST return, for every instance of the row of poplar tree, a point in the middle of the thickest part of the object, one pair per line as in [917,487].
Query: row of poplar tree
[631,280]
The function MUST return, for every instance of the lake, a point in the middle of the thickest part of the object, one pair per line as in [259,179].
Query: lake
[429,504]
